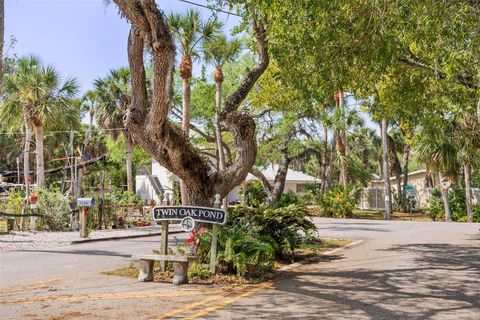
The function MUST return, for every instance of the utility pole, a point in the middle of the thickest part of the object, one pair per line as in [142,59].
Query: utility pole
[386,175]
[72,164]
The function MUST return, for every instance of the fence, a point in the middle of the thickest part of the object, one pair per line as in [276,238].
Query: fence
[374,198]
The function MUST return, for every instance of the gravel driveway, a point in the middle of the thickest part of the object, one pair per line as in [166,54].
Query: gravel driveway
[24,240]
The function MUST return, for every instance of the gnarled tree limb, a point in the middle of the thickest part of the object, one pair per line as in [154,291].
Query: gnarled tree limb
[165,141]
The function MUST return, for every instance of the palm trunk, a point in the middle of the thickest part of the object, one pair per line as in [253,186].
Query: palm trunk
[323,165]
[26,163]
[221,154]
[128,156]
[186,129]
[80,176]
[446,207]
[405,161]
[342,141]
[39,156]
[468,190]
[328,172]
[386,173]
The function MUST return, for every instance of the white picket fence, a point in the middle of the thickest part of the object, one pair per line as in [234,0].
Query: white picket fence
[374,198]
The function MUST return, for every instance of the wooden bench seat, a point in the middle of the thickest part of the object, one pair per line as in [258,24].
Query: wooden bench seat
[180,266]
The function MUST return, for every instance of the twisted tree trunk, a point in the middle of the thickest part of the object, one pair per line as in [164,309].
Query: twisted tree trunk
[275,190]
[147,121]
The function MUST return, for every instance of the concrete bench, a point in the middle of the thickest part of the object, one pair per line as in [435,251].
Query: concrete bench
[180,266]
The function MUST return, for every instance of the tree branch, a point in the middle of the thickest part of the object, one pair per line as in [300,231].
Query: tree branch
[263,180]
[464,80]
[234,100]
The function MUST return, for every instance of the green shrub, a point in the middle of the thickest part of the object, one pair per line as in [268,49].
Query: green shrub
[457,203]
[122,198]
[245,252]
[13,201]
[434,208]
[476,213]
[286,225]
[340,201]
[56,208]
[199,271]
[287,199]
[255,195]
[252,238]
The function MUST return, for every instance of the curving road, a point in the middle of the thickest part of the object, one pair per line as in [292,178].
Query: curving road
[400,270]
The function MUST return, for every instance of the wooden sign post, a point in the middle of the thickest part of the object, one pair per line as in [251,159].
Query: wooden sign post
[200,214]
[164,244]
[84,203]
[213,248]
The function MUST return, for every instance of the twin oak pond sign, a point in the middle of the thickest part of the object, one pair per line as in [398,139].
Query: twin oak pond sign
[188,216]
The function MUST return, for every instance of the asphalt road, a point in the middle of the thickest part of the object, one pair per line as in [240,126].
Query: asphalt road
[400,270]
[18,268]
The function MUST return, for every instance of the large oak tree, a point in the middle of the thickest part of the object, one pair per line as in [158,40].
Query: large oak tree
[147,120]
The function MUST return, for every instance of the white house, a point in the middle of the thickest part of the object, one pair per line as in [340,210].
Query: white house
[295,182]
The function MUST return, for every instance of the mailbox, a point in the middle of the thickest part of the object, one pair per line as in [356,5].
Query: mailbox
[85,202]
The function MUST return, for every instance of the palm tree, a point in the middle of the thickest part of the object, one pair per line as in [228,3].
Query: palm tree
[113,96]
[35,94]
[468,139]
[190,31]
[219,51]
[435,145]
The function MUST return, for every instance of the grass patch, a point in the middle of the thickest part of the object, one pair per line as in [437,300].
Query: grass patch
[368,214]
[379,215]
[200,273]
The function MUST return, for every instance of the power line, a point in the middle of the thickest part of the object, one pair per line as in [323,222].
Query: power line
[210,8]
[61,131]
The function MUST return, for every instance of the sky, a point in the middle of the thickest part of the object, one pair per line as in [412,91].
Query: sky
[83,38]
[80,38]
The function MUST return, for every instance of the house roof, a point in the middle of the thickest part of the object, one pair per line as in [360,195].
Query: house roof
[412,173]
[292,175]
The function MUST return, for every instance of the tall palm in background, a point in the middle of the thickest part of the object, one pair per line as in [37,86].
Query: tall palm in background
[113,95]
[344,120]
[435,145]
[190,31]
[217,52]
[35,96]
[467,136]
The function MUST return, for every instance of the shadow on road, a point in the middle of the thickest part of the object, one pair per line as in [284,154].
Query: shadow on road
[443,282]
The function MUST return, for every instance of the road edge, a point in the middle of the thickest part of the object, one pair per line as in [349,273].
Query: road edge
[123,237]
